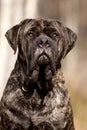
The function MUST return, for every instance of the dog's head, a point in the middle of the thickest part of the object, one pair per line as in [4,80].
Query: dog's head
[42,44]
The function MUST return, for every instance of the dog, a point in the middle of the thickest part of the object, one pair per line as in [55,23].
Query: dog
[36,97]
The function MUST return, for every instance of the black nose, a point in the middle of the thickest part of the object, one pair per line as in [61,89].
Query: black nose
[43,42]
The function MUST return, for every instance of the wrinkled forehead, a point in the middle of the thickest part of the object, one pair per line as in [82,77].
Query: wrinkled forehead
[41,24]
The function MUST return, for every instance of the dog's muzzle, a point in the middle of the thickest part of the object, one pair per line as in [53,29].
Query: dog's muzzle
[43,59]
[42,66]
[43,53]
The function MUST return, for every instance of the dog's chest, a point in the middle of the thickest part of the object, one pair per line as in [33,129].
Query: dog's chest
[29,104]
[33,101]
[22,108]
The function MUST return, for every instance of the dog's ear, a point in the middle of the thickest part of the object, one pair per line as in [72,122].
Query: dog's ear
[70,40]
[12,34]
[12,37]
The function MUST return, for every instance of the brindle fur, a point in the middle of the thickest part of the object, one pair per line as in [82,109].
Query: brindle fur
[35,97]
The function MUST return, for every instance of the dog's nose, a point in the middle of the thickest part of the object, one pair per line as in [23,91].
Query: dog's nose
[43,43]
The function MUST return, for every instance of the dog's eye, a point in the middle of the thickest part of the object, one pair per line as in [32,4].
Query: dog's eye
[54,34]
[30,34]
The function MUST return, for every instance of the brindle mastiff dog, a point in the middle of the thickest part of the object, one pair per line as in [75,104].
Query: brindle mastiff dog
[35,97]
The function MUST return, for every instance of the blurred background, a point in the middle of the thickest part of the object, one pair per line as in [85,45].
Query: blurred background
[73,14]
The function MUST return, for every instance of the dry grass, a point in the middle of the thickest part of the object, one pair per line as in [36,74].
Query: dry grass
[79,105]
